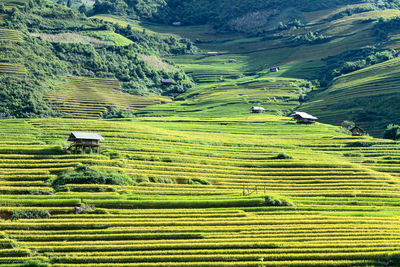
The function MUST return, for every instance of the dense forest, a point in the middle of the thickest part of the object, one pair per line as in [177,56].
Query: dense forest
[225,15]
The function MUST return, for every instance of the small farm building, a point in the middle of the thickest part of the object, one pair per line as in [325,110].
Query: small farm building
[257,109]
[176,23]
[304,118]
[274,69]
[83,141]
[212,54]
[357,131]
[167,83]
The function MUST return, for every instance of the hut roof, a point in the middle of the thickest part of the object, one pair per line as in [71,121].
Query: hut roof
[303,115]
[356,128]
[167,81]
[257,108]
[85,136]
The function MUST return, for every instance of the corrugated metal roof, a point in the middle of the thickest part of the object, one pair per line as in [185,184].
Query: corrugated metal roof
[87,136]
[304,115]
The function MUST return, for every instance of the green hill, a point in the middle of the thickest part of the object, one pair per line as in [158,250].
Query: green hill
[42,42]
[367,96]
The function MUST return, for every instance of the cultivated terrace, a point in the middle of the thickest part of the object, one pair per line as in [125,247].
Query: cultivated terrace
[127,136]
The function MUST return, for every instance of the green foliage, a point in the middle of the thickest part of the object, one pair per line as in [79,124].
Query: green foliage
[385,26]
[352,11]
[310,38]
[85,175]
[30,214]
[392,132]
[115,113]
[353,60]
[348,124]
[283,155]
[272,201]
[20,98]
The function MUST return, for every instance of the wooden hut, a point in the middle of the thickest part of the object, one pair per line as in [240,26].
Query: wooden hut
[257,109]
[304,118]
[274,69]
[167,82]
[357,131]
[83,141]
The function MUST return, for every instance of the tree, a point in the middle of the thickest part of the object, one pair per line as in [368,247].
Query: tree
[82,9]
[392,132]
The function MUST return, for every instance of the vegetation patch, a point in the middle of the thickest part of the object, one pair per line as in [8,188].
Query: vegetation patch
[30,214]
[283,155]
[83,174]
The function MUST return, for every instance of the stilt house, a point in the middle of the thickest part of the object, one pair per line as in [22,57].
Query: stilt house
[85,141]
[274,69]
[357,131]
[257,109]
[304,118]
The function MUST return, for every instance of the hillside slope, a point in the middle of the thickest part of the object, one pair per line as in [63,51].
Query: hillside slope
[336,197]
[43,42]
[368,96]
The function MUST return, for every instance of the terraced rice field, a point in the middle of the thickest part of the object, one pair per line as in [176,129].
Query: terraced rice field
[12,69]
[373,89]
[276,95]
[81,97]
[345,190]
[10,35]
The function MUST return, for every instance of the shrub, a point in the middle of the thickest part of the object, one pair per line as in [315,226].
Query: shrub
[30,214]
[283,155]
[85,175]
[348,124]
[115,113]
[392,132]
[271,201]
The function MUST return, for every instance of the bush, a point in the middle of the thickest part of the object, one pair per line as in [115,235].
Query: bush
[392,132]
[283,155]
[30,214]
[115,113]
[85,175]
[271,201]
